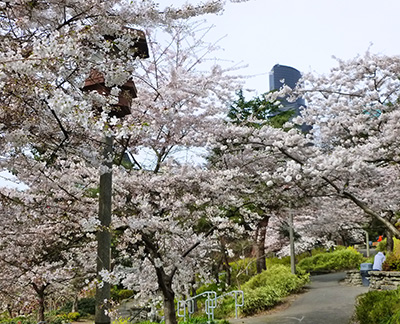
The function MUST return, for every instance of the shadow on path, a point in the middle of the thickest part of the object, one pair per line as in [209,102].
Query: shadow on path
[326,302]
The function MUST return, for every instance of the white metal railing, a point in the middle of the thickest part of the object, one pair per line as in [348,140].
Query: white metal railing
[187,307]
[236,294]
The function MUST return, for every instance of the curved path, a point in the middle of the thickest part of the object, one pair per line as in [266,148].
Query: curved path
[326,302]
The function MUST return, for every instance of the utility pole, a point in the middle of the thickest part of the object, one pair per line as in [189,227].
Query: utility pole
[103,290]
[291,238]
[96,82]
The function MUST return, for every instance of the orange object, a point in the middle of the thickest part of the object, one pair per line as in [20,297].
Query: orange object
[380,238]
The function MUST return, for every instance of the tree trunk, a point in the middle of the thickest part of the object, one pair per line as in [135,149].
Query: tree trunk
[75,304]
[193,293]
[260,241]
[227,268]
[389,241]
[41,299]
[165,284]
[9,310]
[225,263]
[169,307]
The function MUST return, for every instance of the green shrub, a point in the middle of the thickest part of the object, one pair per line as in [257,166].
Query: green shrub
[275,261]
[226,307]
[209,287]
[382,246]
[72,317]
[56,320]
[260,299]
[86,306]
[198,320]
[378,307]
[18,320]
[332,261]
[123,320]
[121,294]
[395,319]
[243,270]
[269,287]
[392,263]
[279,277]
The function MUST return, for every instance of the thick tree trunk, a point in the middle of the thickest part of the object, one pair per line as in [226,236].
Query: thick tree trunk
[165,281]
[165,284]
[260,245]
[41,300]
[75,304]
[261,260]
[169,308]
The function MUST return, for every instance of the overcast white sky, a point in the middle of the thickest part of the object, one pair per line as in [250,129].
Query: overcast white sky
[304,34]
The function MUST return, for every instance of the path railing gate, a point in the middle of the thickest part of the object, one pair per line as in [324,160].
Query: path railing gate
[187,307]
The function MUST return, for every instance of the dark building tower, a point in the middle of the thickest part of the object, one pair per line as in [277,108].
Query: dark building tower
[282,74]
[286,75]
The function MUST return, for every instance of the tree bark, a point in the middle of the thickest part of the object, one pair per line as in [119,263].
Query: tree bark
[225,263]
[227,268]
[291,237]
[41,300]
[169,308]
[75,304]
[9,311]
[165,284]
[389,241]
[193,293]
[260,245]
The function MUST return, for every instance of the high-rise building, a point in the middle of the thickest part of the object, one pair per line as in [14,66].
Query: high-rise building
[286,75]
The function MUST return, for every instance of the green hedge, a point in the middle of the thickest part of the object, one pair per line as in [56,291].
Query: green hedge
[269,287]
[332,261]
[379,307]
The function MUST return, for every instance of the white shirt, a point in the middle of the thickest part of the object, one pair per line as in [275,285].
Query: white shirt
[378,260]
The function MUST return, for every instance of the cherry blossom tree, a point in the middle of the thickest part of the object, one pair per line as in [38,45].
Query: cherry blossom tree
[168,211]
[351,151]
[44,243]
[278,184]
[354,112]
[50,48]
[257,112]
[322,222]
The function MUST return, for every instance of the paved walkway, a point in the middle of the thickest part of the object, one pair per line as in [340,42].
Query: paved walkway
[326,302]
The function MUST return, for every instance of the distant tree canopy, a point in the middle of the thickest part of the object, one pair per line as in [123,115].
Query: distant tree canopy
[258,112]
